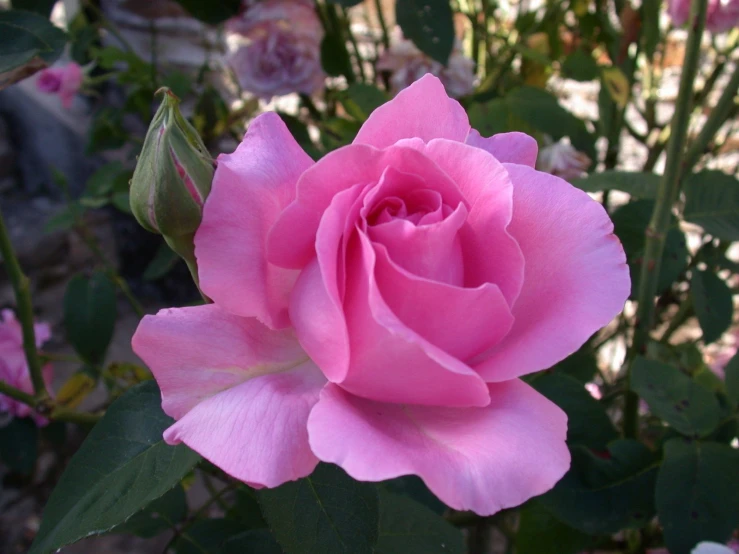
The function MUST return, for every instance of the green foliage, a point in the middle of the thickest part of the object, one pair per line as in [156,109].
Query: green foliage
[19,445]
[539,532]
[580,66]
[732,379]
[360,100]
[122,466]
[639,185]
[335,58]
[159,516]
[89,315]
[408,527]
[697,493]
[630,223]
[25,35]
[712,201]
[674,397]
[581,365]
[588,423]
[712,302]
[325,513]
[603,493]
[429,24]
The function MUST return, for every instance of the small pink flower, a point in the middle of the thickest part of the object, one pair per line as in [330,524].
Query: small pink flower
[375,309]
[561,159]
[63,81]
[408,64]
[277,48]
[722,15]
[13,365]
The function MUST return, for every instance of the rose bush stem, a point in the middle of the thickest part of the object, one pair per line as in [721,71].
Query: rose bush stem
[17,394]
[21,287]
[715,120]
[667,194]
[383,25]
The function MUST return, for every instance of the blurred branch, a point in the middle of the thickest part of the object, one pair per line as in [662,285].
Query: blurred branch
[718,116]
[22,289]
[667,194]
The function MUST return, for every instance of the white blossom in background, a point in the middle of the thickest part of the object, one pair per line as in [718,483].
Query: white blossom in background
[407,64]
[563,160]
[275,48]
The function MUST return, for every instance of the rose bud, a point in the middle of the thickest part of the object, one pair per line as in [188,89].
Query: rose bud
[172,179]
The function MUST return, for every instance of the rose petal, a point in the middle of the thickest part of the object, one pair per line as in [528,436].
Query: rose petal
[461,321]
[515,147]
[291,241]
[256,431]
[389,361]
[199,351]
[250,189]
[479,459]
[241,392]
[576,279]
[423,110]
[491,255]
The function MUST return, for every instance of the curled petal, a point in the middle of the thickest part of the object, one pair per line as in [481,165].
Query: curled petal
[479,459]
[250,189]
[576,280]
[514,147]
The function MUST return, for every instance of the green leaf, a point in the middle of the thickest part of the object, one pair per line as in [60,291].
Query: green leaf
[41,7]
[19,445]
[407,527]
[731,372]
[542,110]
[89,315]
[712,302]
[414,487]
[712,201]
[582,365]
[101,182]
[581,66]
[604,494]
[697,493]
[539,532]
[258,541]
[211,12]
[65,219]
[164,260]
[24,36]
[335,58]
[122,466]
[640,185]
[160,515]
[673,396]
[106,131]
[650,26]
[630,223]
[208,536]
[429,24]
[588,422]
[361,99]
[325,513]
[245,509]
[492,117]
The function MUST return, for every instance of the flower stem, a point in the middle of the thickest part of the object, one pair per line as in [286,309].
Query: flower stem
[383,25]
[17,394]
[667,194]
[22,289]
[716,119]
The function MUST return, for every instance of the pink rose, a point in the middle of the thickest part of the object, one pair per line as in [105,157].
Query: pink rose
[408,64]
[277,48]
[13,365]
[63,81]
[722,15]
[375,309]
